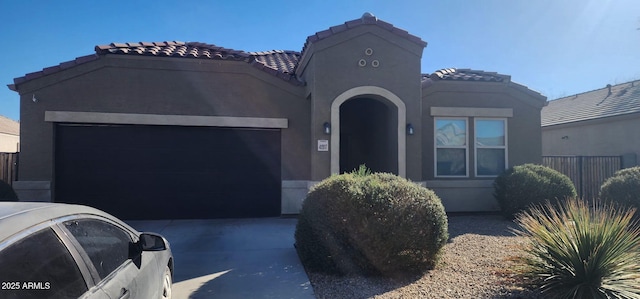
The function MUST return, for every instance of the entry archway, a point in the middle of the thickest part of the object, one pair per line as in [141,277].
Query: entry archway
[371,93]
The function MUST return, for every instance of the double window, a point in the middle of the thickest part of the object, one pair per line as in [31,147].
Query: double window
[452,146]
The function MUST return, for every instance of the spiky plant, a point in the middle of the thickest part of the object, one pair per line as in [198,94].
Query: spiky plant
[575,250]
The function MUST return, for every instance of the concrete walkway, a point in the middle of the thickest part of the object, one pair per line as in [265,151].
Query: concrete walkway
[233,258]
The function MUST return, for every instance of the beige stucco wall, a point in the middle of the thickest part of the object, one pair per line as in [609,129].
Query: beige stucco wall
[9,143]
[612,136]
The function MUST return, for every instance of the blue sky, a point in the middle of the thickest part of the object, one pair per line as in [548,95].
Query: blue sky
[556,47]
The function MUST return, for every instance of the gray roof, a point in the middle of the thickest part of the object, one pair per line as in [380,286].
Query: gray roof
[610,101]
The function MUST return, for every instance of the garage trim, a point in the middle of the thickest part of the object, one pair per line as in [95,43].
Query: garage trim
[169,120]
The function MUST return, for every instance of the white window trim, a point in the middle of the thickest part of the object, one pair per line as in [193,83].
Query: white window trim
[436,147]
[505,147]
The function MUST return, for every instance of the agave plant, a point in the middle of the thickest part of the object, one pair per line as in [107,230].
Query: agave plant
[576,250]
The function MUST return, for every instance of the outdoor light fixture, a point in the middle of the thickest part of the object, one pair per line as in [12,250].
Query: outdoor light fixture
[410,130]
[327,128]
[34,99]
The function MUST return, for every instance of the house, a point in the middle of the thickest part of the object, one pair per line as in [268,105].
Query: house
[602,122]
[9,135]
[193,130]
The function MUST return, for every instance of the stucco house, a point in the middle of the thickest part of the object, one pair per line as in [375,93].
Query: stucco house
[9,135]
[602,122]
[193,130]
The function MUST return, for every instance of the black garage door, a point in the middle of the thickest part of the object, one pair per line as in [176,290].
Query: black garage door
[169,172]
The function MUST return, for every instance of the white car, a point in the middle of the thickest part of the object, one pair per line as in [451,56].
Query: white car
[54,250]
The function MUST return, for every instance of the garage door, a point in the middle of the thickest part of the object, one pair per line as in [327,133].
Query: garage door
[169,172]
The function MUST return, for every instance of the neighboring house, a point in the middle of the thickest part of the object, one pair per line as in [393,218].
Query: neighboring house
[9,135]
[602,122]
[192,130]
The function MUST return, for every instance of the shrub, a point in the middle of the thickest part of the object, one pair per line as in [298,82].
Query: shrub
[579,251]
[370,224]
[6,192]
[623,187]
[528,184]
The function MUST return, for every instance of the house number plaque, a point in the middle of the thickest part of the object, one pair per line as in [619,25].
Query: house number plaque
[323,145]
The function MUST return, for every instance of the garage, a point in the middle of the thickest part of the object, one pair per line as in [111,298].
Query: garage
[169,172]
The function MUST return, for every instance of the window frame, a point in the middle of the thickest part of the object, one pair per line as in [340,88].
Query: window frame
[65,243]
[97,280]
[436,147]
[504,147]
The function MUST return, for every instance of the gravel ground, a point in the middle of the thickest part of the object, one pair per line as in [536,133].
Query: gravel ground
[474,265]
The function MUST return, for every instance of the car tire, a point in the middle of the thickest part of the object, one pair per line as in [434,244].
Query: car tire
[166,284]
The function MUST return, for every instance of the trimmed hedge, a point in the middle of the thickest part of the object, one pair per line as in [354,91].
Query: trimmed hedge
[521,186]
[370,224]
[6,192]
[623,188]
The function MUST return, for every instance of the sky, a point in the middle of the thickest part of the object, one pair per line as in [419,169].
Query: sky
[555,47]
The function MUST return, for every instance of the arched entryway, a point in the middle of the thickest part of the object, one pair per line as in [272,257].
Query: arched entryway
[368,135]
[378,100]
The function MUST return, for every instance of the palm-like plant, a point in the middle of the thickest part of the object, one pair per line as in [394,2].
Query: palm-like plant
[579,251]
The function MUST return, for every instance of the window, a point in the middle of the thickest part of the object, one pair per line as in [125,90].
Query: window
[40,266]
[451,147]
[106,245]
[490,146]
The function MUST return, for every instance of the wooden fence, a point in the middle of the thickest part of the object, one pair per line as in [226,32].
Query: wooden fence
[9,167]
[587,172]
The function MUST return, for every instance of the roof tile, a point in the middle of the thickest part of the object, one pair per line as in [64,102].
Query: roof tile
[338,29]
[452,74]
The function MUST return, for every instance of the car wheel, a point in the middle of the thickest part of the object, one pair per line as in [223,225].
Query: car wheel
[166,284]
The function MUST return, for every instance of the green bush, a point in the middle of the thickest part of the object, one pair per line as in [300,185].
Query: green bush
[6,192]
[524,185]
[370,224]
[575,250]
[623,187]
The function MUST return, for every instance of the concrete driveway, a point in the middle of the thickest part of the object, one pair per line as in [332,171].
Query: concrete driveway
[233,258]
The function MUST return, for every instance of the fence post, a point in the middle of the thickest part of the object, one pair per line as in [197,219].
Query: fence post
[581,176]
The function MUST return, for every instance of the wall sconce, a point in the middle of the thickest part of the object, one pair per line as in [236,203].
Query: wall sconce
[326,127]
[565,137]
[34,98]
[410,129]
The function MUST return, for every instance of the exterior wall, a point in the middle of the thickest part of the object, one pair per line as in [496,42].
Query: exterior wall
[479,99]
[613,136]
[161,86]
[9,143]
[394,76]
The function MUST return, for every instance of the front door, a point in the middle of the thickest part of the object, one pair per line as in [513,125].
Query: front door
[368,135]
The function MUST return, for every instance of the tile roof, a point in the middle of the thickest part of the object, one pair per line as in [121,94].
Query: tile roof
[278,63]
[53,69]
[366,19]
[173,49]
[606,102]
[452,74]
[9,126]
